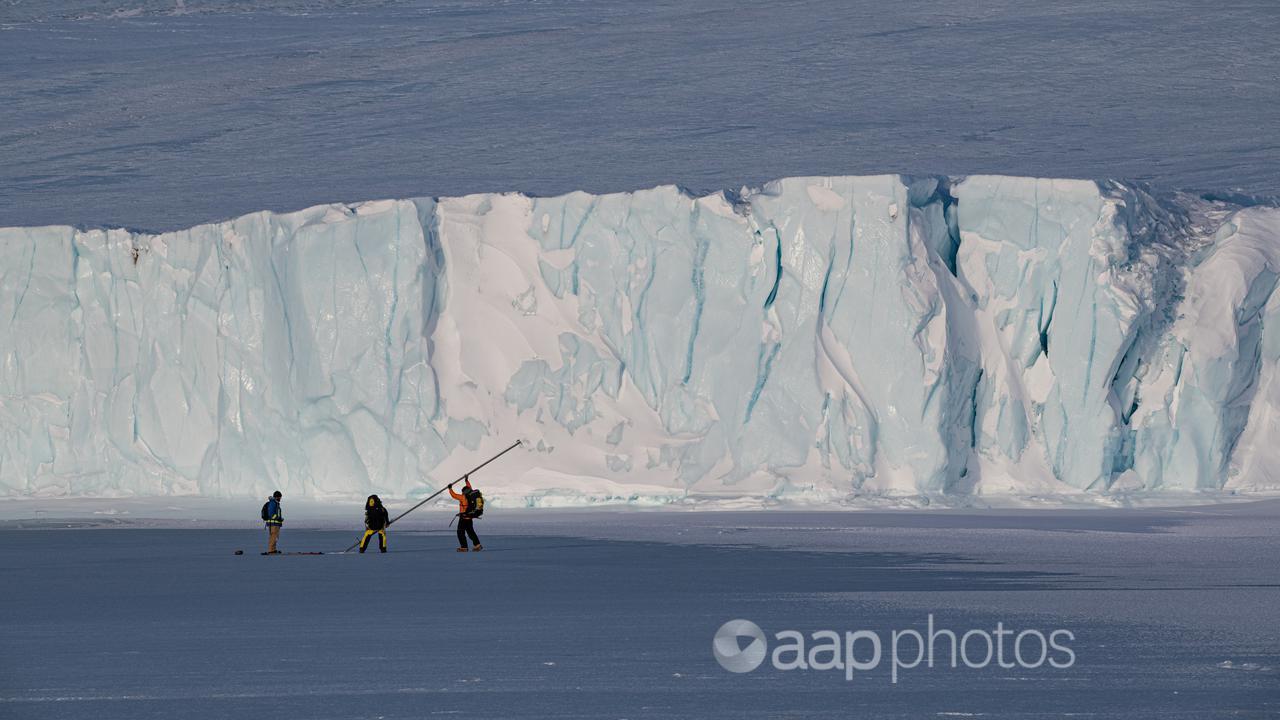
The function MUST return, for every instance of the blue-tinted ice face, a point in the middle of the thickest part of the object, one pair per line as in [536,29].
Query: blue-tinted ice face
[814,339]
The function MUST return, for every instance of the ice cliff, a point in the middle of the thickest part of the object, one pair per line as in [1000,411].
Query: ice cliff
[817,338]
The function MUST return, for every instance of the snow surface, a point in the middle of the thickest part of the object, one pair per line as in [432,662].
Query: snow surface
[594,614]
[812,340]
[163,114]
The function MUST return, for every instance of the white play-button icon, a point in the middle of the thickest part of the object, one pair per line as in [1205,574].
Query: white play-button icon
[732,654]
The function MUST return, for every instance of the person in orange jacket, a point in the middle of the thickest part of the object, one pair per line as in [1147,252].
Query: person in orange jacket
[469,506]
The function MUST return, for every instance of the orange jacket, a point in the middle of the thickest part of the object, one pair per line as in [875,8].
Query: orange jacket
[462,499]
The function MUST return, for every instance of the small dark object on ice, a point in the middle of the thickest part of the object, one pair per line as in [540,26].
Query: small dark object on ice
[279,552]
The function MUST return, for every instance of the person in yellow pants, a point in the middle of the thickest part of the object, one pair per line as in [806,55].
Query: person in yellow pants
[375,522]
[273,516]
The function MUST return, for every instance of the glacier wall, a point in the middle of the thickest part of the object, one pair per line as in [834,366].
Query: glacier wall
[814,339]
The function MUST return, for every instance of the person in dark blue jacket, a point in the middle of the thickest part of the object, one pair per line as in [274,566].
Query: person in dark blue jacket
[273,516]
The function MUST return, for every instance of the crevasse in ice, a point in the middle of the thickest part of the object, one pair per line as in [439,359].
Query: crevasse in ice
[817,338]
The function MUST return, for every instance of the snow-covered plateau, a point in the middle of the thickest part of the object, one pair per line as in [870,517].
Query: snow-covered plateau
[829,339]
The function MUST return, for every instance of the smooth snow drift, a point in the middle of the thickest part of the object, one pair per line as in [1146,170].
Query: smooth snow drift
[163,114]
[814,339]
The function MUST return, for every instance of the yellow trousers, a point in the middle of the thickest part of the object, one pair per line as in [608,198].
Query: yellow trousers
[382,539]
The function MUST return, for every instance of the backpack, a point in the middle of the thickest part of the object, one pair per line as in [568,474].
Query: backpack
[475,504]
[265,516]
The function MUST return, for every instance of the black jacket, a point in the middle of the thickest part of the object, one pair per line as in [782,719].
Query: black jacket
[375,515]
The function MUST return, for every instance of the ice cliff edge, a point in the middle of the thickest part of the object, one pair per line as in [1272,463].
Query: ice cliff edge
[817,338]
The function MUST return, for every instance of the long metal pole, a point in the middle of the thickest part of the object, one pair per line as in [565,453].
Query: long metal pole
[446,487]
